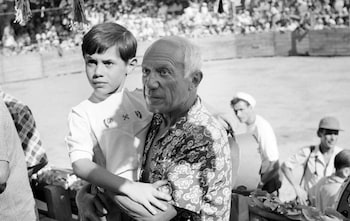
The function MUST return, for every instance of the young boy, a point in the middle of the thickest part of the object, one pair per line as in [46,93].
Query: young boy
[107,131]
[325,192]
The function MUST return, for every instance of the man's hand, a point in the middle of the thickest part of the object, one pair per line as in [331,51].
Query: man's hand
[149,195]
[90,208]
[301,195]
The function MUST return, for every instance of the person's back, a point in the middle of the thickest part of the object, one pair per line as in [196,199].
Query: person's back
[34,152]
[16,201]
[325,192]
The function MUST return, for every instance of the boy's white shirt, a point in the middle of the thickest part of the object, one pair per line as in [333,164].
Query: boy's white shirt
[117,126]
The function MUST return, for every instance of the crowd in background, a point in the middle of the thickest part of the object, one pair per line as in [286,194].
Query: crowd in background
[149,20]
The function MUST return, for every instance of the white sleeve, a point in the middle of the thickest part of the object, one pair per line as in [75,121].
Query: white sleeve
[298,159]
[268,142]
[80,138]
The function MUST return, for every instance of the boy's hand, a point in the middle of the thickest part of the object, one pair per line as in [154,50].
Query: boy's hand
[149,195]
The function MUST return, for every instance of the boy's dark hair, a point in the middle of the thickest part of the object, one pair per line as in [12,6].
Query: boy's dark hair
[342,160]
[105,35]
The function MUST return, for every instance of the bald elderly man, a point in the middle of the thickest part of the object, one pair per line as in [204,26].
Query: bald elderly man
[185,144]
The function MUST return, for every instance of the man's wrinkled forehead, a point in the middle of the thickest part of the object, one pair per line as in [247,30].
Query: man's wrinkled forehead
[168,50]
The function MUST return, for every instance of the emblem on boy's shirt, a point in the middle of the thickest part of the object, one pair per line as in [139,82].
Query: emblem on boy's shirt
[138,114]
[108,122]
[125,117]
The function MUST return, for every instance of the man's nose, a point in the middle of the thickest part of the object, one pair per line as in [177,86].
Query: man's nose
[238,113]
[151,81]
[334,136]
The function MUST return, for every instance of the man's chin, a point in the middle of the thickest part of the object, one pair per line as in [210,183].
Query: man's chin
[154,108]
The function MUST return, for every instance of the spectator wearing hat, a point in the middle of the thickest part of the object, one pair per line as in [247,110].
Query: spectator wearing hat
[317,160]
[243,105]
[324,193]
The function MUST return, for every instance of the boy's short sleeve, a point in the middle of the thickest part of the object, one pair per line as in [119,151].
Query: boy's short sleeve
[79,139]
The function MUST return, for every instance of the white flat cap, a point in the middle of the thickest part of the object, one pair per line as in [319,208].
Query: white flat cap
[246,97]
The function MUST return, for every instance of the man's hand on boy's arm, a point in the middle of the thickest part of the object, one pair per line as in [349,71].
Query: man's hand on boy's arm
[140,213]
[148,195]
[144,193]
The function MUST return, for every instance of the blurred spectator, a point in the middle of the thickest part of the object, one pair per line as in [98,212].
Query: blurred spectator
[324,193]
[149,20]
[8,37]
[316,161]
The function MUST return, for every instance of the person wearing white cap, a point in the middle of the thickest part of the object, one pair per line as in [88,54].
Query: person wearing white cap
[317,160]
[243,105]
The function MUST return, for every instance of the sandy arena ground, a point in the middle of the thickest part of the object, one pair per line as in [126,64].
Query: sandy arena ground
[292,93]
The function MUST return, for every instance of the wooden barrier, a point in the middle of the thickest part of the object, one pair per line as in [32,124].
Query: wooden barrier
[216,49]
[327,42]
[282,43]
[58,63]
[330,42]
[255,45]
[20,67]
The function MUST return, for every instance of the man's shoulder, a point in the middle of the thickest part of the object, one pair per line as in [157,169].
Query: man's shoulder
[262,122]
[14,105]
[337,149]
[308,148]
[209,122]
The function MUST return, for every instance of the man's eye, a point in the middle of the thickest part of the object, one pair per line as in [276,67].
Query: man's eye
[145,71]
[164,72]
[91,62]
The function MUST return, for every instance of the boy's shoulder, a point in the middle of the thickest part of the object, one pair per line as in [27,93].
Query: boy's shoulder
[82,105]
[135,94]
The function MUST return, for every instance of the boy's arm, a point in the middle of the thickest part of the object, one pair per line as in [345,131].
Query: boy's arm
[142,193]
[99,176]
[93,206]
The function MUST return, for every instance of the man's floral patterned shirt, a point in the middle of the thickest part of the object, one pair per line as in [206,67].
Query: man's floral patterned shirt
[194,156]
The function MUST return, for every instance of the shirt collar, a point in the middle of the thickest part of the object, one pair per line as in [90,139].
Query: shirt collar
[158,118]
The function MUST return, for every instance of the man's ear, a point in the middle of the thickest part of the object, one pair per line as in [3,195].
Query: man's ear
[196,78]
[319,133]
[346,171]
[131,65]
